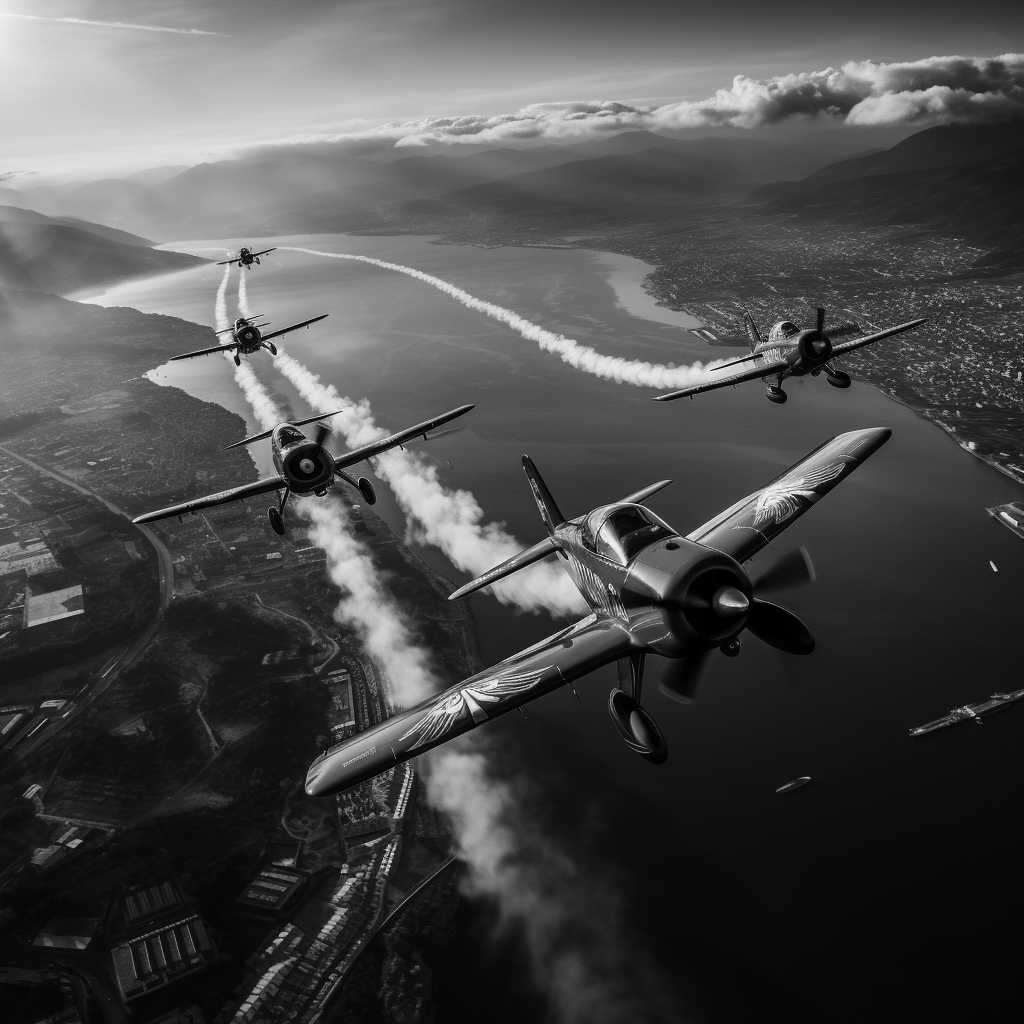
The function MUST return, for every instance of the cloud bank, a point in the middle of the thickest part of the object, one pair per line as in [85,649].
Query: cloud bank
[936,90]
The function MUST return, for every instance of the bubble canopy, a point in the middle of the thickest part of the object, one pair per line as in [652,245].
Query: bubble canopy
[619,532]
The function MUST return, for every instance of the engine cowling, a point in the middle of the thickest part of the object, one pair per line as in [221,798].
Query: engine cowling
[306,467]
[814,347]
[682,597]
[247,335]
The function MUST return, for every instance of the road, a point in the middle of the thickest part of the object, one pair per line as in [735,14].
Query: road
[129,655]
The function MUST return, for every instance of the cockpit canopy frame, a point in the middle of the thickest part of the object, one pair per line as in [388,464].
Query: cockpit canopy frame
[620,532]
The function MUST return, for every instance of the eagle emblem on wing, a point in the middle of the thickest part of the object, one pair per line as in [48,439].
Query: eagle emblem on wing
[777,503]
[470,699]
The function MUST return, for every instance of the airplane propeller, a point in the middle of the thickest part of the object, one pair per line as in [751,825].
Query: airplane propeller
[820,326]
[771,623]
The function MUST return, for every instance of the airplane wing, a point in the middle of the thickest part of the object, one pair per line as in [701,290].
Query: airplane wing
[263,252]
[294,327]
[227,347]
[765,369]
[394,440]
[848,346]
[746,527]
[569,654]
[234,494]
[224,263]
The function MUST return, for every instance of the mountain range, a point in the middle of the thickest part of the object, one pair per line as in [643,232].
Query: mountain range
[964,180]
[60,255]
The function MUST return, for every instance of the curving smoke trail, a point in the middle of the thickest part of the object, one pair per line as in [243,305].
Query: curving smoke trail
[365,606]
[451,520]
[580,357]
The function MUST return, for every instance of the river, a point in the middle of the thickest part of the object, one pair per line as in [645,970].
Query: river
[862,893]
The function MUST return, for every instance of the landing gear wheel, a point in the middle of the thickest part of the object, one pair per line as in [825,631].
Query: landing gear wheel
[257,259]
[840,380]
[367,491]
[272,347]
[276,521]
[776,395]
[238,361]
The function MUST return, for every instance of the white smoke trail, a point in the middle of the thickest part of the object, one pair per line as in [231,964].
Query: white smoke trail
[243,296]
[578,953]
[451,520]
[365,606]
[580,945]
[580,357]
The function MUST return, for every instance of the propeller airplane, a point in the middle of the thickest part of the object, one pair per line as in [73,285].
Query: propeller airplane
[246,257]
[247,339]
[650,590]
[790,352]
[304,467]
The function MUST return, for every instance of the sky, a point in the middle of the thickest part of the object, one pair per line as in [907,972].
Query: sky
[180,81]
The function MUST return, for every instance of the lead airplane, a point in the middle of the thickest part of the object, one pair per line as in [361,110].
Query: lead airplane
[246,257]
[790,352]
[247,338]
[304,467]
[650,591]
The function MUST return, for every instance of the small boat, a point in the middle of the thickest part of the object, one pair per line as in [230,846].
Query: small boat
[795,784]
[993,564]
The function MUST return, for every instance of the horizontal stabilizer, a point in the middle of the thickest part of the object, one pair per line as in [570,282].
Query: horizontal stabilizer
[734,362]
[533,554]
[639,497]
[294,423]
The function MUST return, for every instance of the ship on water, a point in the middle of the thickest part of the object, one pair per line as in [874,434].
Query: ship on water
[971,712]
[788,787]
[1011,516]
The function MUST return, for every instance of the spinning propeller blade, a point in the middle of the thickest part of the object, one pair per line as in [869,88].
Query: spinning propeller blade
[681,680]
[321,435]
[793,569]
[780,628]
[821,320]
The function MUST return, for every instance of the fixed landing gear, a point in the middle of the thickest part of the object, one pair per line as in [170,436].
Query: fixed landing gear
[775,394]
[238,359]
[367,491]
[276,521]
[272,347]
[838,379]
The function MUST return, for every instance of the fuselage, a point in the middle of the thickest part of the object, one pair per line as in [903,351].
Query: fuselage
[307,468]
[245,257]
[675,596]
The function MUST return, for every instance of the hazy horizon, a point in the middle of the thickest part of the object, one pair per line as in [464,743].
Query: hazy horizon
[109,87]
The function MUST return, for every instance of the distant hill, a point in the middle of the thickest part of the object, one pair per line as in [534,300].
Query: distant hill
[332,187]
[43,254]
[981,201]
[606,189]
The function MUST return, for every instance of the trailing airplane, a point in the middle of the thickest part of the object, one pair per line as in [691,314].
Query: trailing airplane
[650,590]
[246,338]
[246,257]
[790,352]
[304,467]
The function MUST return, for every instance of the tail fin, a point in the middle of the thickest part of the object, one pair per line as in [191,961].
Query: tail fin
[545,503]
[753,334]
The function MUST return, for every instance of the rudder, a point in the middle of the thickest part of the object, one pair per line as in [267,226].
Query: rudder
[549,511]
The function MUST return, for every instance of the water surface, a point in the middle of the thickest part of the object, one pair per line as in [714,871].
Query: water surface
[865,892]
